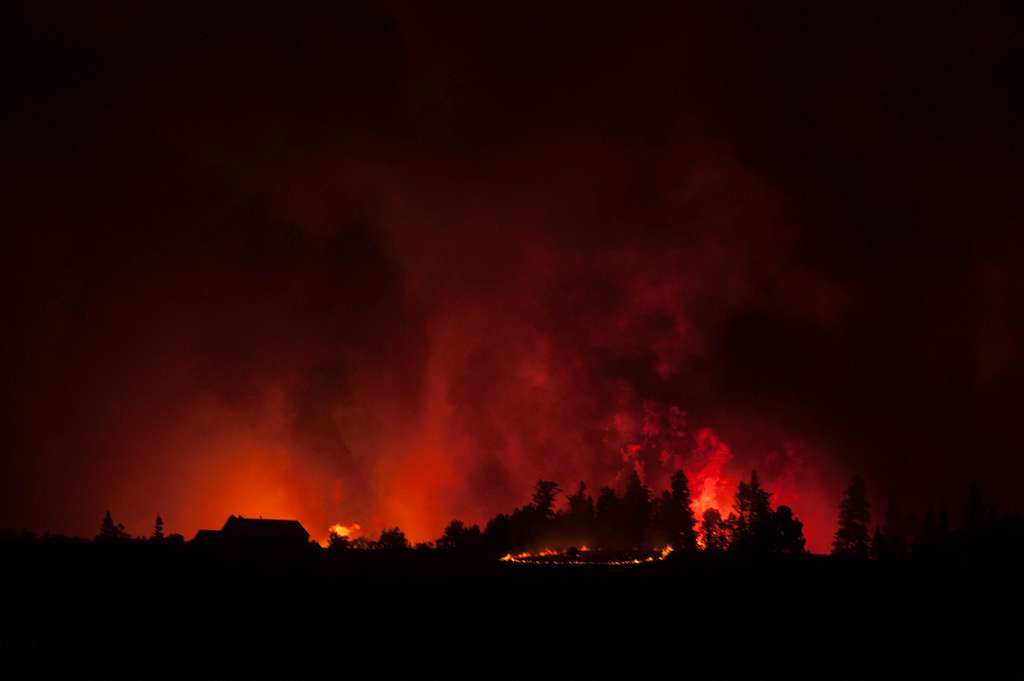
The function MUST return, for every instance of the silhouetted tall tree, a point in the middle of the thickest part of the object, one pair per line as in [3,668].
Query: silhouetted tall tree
[110,531]
[636,512]
[579,519]
[608,518]
[158,529]
[752,524]
[674,515]
[712,530]
[544,498]
[852,537]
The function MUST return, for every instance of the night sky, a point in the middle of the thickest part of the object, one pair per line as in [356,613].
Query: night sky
[391,263]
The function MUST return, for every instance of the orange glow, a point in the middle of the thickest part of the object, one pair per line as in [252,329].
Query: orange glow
[344,530]
[551,557]
[339,530]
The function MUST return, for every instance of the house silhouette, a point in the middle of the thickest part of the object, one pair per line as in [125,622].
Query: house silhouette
[255,532]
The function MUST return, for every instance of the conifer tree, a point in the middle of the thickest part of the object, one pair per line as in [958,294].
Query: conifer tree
[852,537]
[636,509]
[580,515]
[679,516]
[108,531]
[158,529]
[752,526]
[608,519]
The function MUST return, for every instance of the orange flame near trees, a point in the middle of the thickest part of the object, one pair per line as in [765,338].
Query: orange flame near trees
[552,557]
[339,530]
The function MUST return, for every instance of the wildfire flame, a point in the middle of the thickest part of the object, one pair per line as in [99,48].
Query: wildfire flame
[542,558]
[339,530]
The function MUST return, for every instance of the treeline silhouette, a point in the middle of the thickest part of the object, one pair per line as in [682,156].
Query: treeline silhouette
[638,520]
[983,533]
[909,575]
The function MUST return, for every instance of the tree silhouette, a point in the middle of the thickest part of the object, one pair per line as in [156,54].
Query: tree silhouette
[685,533]
[110,531]
[338,542]
[158,529]
[751,526]
[852,537]
[450,539]
[458,537]
[608,518]
[498,535]
[675,521]
[712,530]
[636,512]
[579,518]
[393,539]
[544,498]
[788,532]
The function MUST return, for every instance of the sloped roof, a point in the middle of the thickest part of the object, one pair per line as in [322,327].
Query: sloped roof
[264,528]
[206,535]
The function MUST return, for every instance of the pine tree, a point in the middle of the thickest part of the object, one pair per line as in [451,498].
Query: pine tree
[158,529]
[608,519]
[108,530]
[752,526]
[679,516]
[111,531]
[852,538]
[636,508]
[580,517]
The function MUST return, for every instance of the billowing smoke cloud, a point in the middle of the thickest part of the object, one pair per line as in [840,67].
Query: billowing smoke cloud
[388,267]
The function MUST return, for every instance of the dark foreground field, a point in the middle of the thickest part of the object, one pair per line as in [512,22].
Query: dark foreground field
[140,594]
